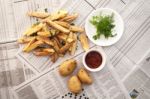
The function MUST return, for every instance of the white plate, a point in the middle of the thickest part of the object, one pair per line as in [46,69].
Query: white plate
[118,29]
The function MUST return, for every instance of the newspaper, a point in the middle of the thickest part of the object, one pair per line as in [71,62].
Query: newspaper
[12,71]
[129,58]
[50,85]
[138,81]
[7,27]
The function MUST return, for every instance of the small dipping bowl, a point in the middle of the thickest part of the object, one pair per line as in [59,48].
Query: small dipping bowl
[94,60]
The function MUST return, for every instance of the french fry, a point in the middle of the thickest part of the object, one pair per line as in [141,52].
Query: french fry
[62,36]
[29,44]
[64,48]
[54,32]
[58,15]
[33,46]
[49,50]
[34,29]
[45,40]
[58,27]
[58,42]
[69,18]
[44,52]
[54,57]
[74,45]
[38,14]
[40,53]
[45,32]
[76,29]
[56,47]
[63,24]
[24,40]
[70,38]
[84,41]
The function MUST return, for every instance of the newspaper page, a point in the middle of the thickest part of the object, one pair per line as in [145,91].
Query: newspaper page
[39,64]
[134,44]
[12,71]
[50,85]
[138,81]
[7,27]
[125,55]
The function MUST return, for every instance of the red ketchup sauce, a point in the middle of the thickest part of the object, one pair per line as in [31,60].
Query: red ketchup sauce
[93,59]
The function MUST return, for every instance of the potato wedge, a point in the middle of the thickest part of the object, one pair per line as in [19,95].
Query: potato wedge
[74,85]
[84,76]
[29,44]
[74,45]
[58,42]
[58,15]
[58,27]
[62,36]
[34,29]
[76,29]
[70,18]
[67,67]
[45,40]
[40,53]
[56,47]
[63,24]
[84,41]
[64,49]
[24,40]
[33,46]
[49,50]
[43,34]
[54,57]
[38,14]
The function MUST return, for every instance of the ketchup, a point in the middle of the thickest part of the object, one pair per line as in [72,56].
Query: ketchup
[93,59]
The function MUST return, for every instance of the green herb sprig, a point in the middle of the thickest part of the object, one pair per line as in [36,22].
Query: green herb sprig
[104,26]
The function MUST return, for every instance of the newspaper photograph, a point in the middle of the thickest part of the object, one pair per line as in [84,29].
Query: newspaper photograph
[12,71]
[50,85]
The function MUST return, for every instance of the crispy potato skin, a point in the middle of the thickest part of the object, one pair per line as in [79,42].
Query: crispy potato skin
[84,76]
[74,85]
[67,67]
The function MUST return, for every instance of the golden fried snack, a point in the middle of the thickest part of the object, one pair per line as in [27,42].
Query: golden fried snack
[65,48]
[45,32]
[38,14]
[29,44]
[62,36]
[84,41]
[56,47]
[32,46]
[67,67]
[74,85]
[40,53]
[74,45]
[58,15]
[54,57]
[58,27]
[84,76]
[70,18]
[45,40]
[34,29]
[24,40]
[62,23]
[76,29]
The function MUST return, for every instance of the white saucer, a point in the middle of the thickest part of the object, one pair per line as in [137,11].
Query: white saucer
[118,29]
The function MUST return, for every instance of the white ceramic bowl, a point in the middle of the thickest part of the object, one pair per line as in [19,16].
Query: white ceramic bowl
[118,29]
[102,53]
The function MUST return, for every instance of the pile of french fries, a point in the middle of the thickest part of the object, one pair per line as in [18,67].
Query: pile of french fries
[54,35]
